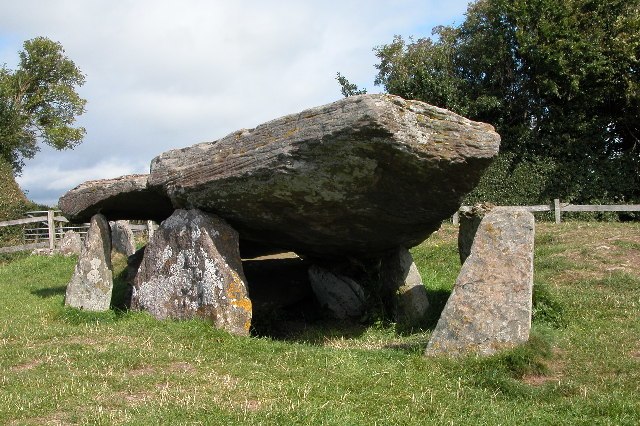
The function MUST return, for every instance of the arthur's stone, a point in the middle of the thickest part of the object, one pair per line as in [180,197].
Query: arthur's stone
[358,177]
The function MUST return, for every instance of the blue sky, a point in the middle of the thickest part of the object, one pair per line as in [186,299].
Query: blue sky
[166,74]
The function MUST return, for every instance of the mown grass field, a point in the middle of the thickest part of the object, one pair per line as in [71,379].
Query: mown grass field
[582,365]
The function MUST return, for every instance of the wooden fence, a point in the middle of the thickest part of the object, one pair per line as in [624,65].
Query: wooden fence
[557,207]
[43,228]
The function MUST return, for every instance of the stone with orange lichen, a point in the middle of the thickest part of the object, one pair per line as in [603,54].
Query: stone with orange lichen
[192,268]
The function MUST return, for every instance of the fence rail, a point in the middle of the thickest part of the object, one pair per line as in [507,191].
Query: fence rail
[557,207]
[43,228]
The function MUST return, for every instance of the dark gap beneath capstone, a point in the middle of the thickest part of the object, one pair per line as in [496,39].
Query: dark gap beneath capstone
[280,291]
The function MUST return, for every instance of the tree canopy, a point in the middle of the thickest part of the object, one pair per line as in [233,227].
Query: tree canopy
[39,102]
[560,81]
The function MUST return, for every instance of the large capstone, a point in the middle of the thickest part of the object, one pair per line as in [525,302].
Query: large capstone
[125,197]
[192,268]
[358,177]
[92,281]
[490,306]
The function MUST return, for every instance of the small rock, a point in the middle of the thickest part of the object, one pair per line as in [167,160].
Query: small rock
[92,281]
[341,296]
[70,244]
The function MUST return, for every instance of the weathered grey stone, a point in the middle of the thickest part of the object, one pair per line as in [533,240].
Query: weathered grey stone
[92,281]
[339,295]
[469,222]
[404,289]
[490,306]
[192,268]
[122,239]
[125,197]
[357,177]
[70,244]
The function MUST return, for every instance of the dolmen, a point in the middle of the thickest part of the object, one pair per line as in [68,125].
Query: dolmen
[349,186]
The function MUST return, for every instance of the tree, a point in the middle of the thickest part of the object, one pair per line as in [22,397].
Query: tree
[347,88]
[39,102]
[559,80]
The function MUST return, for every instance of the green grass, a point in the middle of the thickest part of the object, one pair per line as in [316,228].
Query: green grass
[581,366]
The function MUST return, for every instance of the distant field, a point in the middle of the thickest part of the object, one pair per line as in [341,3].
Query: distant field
[582,365]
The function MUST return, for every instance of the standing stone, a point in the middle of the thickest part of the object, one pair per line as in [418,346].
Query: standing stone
[469,222]
[122,238]
[402,286]
[70,244]
[192,268]
[341,296]
[92,281]
[490,306]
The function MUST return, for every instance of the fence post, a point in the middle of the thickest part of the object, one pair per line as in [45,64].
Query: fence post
[150,229]
[52,230]
[557,210]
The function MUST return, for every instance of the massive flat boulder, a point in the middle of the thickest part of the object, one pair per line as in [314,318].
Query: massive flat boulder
[359,177]
[125,197]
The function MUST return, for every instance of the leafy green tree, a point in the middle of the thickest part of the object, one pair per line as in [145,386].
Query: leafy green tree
[39,102]
[347,88]
[559,80]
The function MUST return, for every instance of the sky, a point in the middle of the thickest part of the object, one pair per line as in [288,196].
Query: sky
[168,74]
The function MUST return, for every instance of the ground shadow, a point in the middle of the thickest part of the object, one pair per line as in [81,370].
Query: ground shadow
[437,301]
[45,293]
[121,293]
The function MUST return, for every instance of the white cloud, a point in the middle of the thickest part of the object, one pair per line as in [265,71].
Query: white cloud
[164,74]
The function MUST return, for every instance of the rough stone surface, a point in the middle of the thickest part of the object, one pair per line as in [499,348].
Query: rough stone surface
[70,244]
[192,268]
[122,239]
[339,295]
[357,177]
[92,281]
[469,222]
[490,306]
[125,197]
[403,289]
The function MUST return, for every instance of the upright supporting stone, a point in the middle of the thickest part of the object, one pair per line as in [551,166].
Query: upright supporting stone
[339,295]
[490,306]
[469,221]
[122,238]
[192,268]
[70,244]
[92,281]
[403,288]
[150,229]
